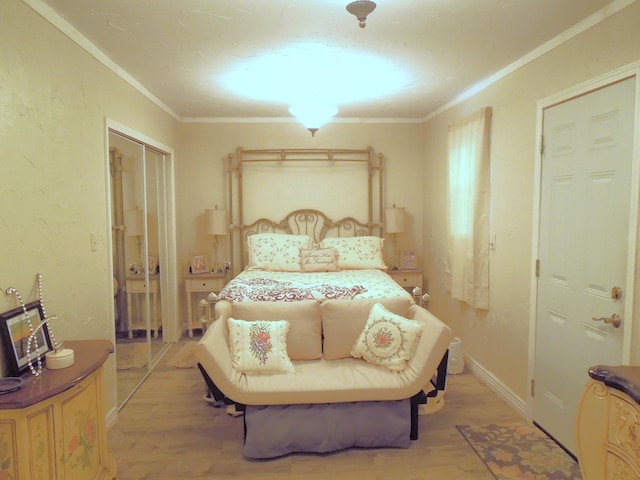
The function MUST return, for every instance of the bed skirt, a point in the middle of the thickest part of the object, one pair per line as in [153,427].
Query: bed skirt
[276,430]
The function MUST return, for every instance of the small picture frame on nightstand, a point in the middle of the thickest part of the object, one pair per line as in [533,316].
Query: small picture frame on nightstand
[198,263]
[408,260]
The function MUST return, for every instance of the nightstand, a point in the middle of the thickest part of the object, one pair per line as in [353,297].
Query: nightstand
[407,279]
[138,285]
[203,283]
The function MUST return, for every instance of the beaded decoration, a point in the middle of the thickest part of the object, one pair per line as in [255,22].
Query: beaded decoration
[33,338]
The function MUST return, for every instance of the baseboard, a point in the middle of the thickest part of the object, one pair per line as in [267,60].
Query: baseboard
[488,378]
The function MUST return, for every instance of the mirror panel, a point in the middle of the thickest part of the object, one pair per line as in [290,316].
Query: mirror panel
[137,203]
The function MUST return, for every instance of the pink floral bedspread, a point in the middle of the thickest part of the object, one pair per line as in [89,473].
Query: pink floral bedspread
[261,286]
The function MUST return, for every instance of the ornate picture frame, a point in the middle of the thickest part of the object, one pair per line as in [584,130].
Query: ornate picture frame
[15,332]
[199,263]
[408,259]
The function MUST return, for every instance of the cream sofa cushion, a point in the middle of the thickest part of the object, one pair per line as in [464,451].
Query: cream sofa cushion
[304,341]
[344,320]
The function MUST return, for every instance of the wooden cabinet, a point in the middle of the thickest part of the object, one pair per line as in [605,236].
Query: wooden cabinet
[204,283]
[54,427]
[608,424]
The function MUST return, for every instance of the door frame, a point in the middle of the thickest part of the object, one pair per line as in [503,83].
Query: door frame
[172,331]
[623,73]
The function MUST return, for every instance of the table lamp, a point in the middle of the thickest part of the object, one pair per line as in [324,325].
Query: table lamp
[394,224]
[134,227]
[217,225]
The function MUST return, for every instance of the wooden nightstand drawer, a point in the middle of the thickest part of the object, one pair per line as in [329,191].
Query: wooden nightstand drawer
[408,279]
[138,285]
[205,284]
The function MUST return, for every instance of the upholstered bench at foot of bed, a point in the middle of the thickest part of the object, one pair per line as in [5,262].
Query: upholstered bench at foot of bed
[326,381]
[319,382]
[294,435]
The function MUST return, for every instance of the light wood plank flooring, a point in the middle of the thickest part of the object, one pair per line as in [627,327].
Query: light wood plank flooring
[166,431]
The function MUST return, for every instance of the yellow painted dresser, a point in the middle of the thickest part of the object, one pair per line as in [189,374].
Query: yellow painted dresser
[608,424]
[54,427]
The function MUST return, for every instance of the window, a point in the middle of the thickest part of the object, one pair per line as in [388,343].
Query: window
[469,208]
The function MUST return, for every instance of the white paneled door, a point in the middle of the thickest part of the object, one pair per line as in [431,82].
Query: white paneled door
[583,248]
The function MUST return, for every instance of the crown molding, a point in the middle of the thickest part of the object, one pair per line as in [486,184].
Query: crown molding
[51,16]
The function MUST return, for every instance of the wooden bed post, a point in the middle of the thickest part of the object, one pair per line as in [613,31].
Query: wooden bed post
[230,206]
[380,199]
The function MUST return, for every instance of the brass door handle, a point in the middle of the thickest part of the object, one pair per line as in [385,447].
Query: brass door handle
[615,320]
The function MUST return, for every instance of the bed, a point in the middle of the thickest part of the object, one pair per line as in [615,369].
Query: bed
[323,278]
[261,285]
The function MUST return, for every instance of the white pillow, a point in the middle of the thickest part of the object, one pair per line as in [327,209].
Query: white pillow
[388,340]
[318,260]
[260,346]
[277,251]
[357,252]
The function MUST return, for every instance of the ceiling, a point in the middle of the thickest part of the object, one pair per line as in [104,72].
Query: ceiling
[195,55]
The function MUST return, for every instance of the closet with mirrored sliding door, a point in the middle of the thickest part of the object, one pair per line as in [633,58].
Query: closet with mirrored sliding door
[143,253]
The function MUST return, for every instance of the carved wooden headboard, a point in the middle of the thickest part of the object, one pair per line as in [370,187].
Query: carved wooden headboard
[304,221]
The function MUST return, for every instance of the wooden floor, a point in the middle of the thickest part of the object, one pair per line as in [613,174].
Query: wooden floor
[166,431]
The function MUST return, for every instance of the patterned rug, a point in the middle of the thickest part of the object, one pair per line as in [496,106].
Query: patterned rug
[131,355]
[520,451]
[184,357]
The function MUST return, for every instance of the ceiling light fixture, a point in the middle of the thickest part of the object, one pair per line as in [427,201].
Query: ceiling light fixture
[313,115]
[361,8]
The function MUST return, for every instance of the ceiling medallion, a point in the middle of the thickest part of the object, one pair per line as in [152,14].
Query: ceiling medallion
[361,8]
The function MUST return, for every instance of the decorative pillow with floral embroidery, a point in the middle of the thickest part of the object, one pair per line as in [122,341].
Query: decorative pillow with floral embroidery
[260,346]
[319,260]
[277,251]
[357,252]
[388,340]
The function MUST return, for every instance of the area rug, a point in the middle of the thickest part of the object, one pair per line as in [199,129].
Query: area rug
[184,357]
[131,355]
[520,451]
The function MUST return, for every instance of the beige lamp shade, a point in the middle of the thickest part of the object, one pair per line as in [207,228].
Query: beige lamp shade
[217,223]
[134,222]
[394,219]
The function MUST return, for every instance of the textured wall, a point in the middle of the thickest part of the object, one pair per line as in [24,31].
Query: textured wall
[54,98]
[499,339]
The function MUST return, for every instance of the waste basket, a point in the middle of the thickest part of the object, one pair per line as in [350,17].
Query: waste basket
[456,359]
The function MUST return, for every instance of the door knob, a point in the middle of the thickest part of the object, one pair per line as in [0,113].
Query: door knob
[615,320]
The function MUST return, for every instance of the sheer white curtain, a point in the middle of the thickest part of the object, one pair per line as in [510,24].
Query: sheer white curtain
[469,208]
